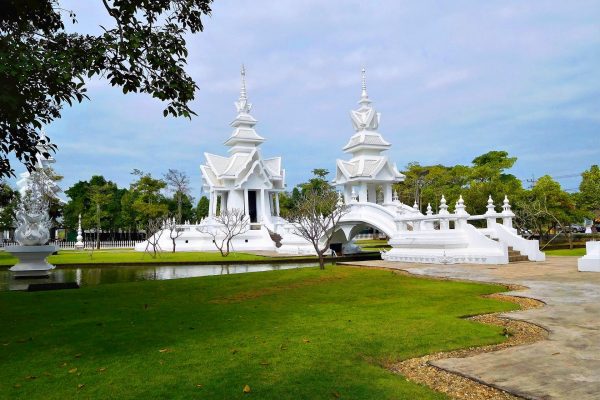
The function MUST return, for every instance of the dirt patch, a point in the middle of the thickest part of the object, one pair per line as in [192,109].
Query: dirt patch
[458,387]
[266,291]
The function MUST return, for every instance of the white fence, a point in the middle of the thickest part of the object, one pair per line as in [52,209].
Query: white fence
[91,244]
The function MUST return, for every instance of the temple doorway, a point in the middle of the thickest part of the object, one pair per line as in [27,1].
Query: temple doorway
[252,205]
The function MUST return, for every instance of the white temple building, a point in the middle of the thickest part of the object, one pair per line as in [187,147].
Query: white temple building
[242,180]
[368,169]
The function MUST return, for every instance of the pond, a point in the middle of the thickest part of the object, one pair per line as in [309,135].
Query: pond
[90,276]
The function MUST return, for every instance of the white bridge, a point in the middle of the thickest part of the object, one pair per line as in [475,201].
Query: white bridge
[443,238]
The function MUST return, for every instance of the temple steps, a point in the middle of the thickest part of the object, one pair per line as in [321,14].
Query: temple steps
[513,255]
[516,256]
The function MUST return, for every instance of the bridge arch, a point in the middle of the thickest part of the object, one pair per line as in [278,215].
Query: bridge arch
[362,216]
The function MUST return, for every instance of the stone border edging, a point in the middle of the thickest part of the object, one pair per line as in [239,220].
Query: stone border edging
[266,260]
[421,370]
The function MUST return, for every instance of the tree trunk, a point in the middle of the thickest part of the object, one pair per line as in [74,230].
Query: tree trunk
[321,260]
[179,208]
[173,239]
[570,237]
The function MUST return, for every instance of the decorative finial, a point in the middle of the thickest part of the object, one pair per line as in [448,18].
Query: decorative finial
[243,89]
[506,207]
[243,105]
[429,211]
[364,82]
[443,206]
[364,97]
[354,196]
[490,200]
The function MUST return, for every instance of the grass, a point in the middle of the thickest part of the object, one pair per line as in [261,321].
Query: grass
[293,334]
[129,256]
[566,252]
[373,244]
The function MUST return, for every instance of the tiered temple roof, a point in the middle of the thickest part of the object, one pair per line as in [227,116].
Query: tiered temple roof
[366,145]
[245,156]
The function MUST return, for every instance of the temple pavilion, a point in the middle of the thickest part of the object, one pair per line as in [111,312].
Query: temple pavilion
[244,179]
[368,170]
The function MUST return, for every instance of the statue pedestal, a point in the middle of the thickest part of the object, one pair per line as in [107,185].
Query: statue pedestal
[591,261]
[32,260]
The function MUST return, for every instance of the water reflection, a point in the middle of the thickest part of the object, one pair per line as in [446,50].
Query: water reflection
[101,275]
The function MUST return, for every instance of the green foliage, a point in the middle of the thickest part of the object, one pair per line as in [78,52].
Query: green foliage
[42,67]
[202,208]
[588,198]
[148,201]
[293,334]
[486,176]
[9,201]
[97,200]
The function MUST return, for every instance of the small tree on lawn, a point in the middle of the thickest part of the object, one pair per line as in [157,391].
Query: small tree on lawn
[227,225]
[154,229]
[316,218]
[174,230]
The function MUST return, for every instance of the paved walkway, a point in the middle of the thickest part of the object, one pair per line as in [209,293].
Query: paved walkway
[567,365]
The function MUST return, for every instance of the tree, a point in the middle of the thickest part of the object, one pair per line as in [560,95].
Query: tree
[227,225]
[202,208]
[588,198]
[100,196]
[154,230]
[179,184]
[316,218]
[9,201]
[42,67]
[484,177]
[174,230]
[547,207]
[148,202]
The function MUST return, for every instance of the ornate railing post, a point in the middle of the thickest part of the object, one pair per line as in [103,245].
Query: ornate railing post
[507,214]
[491,212]
[461,214]
[444,222]
[428,224]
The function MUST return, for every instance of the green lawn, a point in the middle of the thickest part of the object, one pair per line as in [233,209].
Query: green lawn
[566,252]
[293,334]
[373,244]
[130,256]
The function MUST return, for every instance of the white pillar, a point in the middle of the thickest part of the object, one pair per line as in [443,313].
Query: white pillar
[372,193]
[387,193]
[362,196]
[277,203]
[347,193]
[262,205]
[213,203]
[246,211]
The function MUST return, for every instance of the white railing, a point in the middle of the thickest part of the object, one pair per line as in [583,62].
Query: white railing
[89,244]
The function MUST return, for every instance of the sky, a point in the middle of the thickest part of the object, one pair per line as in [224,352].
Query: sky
[452,80]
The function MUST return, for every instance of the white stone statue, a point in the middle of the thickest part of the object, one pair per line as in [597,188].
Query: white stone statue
[33,221]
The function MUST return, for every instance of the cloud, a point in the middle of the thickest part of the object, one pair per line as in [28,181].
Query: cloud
[452,80]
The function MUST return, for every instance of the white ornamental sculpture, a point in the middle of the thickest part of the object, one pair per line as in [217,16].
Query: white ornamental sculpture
[33,221]
[79,245]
